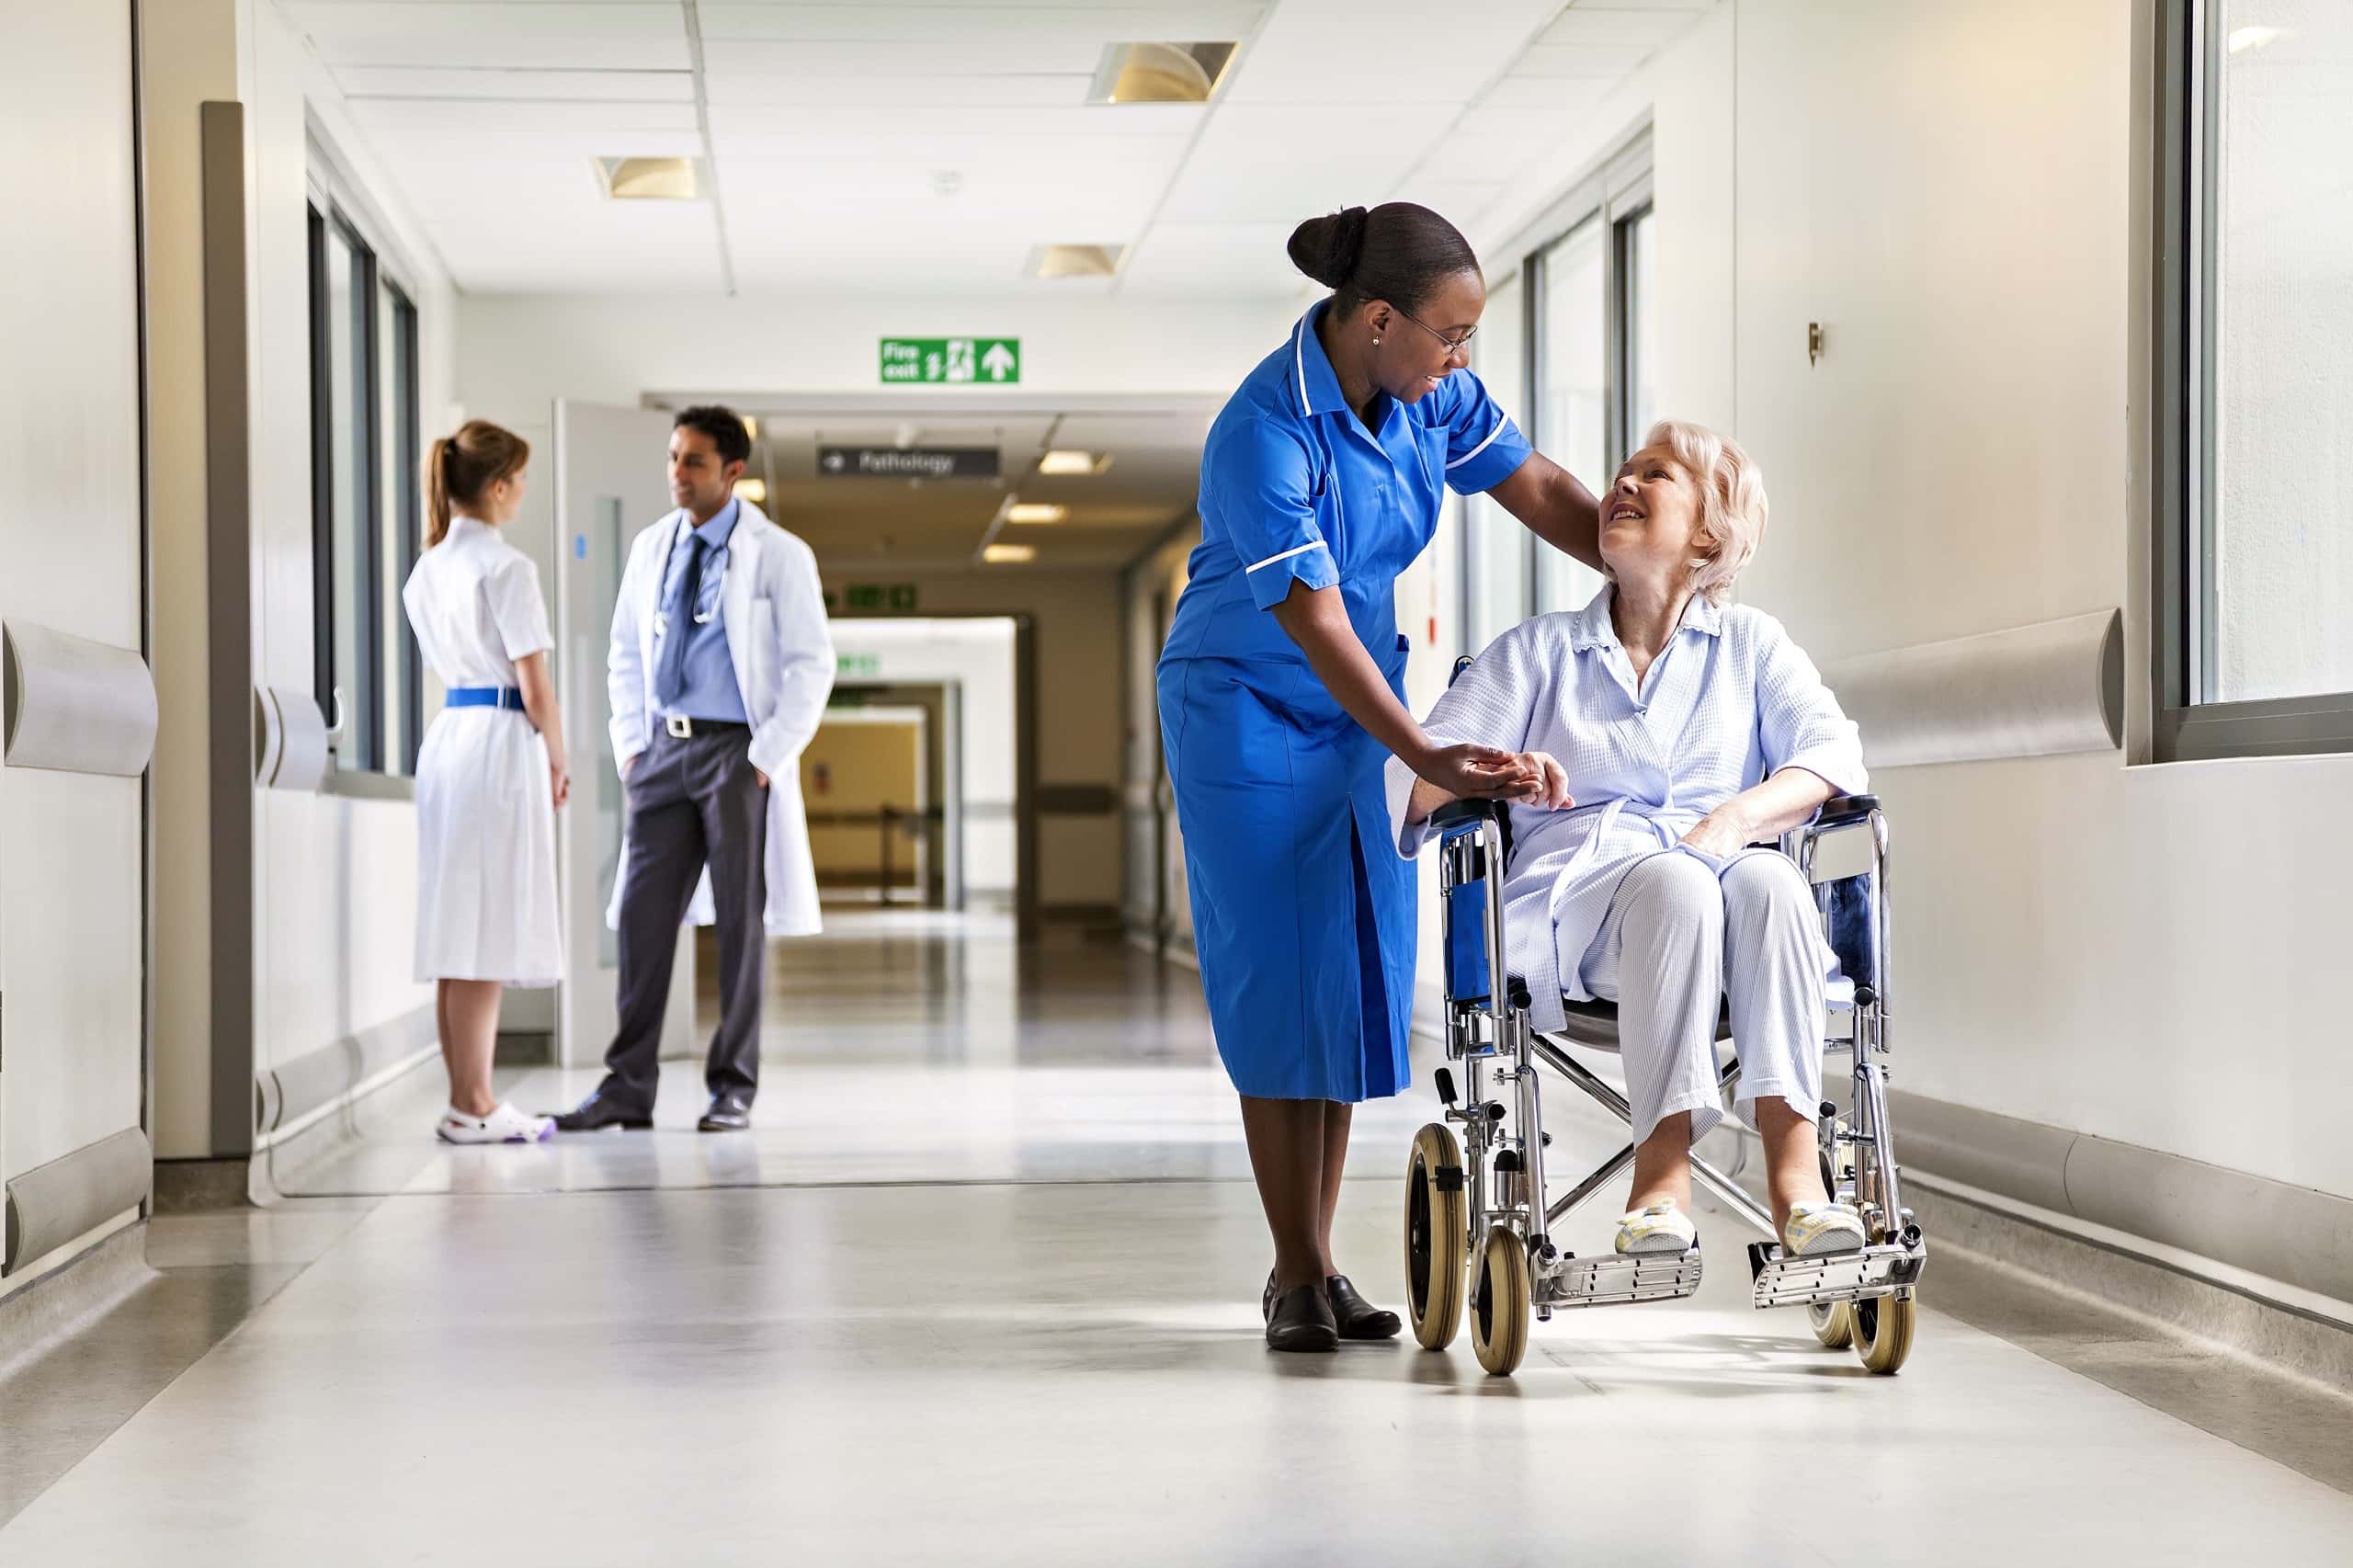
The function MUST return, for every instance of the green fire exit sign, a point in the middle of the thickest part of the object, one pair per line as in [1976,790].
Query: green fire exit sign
[989,362]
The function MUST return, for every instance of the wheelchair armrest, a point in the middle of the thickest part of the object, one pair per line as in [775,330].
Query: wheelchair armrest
[1842,810]
[1454,811]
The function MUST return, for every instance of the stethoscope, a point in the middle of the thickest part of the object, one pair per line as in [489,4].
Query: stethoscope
[701,617]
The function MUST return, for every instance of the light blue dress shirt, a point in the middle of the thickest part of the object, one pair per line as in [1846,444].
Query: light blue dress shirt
[708,689]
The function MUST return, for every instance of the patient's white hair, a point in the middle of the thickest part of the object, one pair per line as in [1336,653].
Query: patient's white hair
[1732,500]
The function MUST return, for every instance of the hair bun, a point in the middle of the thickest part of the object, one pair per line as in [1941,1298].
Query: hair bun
[1326,248]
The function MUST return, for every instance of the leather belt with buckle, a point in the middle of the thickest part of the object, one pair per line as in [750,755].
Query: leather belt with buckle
[680,727]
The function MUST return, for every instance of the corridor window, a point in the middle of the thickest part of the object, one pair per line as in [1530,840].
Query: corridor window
[2254,516]
[366,498]
[1572,401]
[1497,557]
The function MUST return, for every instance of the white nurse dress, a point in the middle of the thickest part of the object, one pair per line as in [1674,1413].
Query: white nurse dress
[485,820]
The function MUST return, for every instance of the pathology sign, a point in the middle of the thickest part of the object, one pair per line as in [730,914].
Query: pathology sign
[985,361]
[907,462]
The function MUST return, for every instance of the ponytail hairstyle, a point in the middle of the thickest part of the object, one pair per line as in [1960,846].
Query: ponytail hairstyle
[1396,252]
[462,468]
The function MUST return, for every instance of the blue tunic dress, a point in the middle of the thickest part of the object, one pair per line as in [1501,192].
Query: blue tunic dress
[1302,908]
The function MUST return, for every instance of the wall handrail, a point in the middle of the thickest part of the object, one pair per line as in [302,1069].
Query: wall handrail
[75,705]
[2040,691]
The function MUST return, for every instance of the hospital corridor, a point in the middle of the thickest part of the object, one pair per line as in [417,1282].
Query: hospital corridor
[753,748]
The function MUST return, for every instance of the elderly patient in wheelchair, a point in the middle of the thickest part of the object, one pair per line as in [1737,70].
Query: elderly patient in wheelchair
[1660,734]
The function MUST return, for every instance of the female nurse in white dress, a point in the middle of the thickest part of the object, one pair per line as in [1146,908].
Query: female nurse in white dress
[490,775]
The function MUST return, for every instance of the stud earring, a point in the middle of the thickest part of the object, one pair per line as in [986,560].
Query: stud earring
[1376,343]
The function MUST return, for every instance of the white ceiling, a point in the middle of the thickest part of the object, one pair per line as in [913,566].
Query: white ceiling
[830,126]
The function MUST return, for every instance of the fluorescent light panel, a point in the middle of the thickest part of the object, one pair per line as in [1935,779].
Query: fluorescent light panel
[1073,462]
[1076,261]
[650,179]
[1035,512]
[756,491]
[1159,72]
[1008,554]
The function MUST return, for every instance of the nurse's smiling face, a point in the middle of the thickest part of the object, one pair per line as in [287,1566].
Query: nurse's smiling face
[1414,351]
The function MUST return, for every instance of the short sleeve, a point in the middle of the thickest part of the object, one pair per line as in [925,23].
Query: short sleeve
[1799,721]
[516,608]
[1259,484]
[1484,448]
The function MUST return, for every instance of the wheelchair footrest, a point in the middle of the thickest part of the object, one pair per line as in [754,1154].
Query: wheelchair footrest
[1839,1277]
[1611,1278]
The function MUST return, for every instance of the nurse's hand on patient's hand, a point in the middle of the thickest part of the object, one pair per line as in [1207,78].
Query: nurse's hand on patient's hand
[1550,781]
[1469,772]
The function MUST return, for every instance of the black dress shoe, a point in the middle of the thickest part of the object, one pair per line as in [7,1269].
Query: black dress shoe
[597,1113]
[1302,1320]
[728,1113]
[1357,1318]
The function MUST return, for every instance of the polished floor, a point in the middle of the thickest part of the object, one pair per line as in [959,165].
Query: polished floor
[981,1288]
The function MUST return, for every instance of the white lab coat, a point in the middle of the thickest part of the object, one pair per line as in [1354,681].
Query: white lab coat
[775,615]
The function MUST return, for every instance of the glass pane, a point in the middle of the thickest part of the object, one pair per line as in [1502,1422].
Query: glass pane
[1496,547]
[346,421]
[1572,407]
[1641,329]
[2279,595]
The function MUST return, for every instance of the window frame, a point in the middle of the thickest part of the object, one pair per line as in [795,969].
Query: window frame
[1617,189]
[2184,399]
[387,689]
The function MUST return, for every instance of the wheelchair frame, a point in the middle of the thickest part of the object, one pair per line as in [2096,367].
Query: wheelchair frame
[1484,1207]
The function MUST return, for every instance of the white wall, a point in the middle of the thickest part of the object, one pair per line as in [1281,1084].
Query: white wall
[2144,953]
[334,877]
[70,930]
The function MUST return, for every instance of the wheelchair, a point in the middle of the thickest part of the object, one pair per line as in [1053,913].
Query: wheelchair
[1478,1211]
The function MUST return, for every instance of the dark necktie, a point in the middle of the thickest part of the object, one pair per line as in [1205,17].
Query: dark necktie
[670,666]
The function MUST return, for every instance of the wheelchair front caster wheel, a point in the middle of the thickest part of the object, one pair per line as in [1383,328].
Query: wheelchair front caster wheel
[1883,1331]
[1834,1324]
[1438,1238]
[1500,1301]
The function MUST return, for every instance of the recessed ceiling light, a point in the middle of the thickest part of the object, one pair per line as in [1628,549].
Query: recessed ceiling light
[751,427]
[1159,72]
[650,179]
[756,491]
[1076,261]
[1035,512]
[1008,554]
[1073,462]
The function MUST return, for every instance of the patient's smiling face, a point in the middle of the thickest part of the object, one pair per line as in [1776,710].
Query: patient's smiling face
[1650,519]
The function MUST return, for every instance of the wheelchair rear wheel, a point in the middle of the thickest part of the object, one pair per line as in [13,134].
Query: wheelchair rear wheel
[1437,1236]
[1883,1328]
[1500,1301]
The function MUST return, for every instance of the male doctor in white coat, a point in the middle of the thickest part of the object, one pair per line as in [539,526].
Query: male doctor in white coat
[720,667]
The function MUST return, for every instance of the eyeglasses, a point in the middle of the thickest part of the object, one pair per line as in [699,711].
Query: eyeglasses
[1453,345]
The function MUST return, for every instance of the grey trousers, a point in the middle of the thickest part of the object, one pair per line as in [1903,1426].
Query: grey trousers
[1680,942]
[691,802]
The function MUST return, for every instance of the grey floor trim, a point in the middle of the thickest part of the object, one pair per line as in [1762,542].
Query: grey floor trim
[58,1302]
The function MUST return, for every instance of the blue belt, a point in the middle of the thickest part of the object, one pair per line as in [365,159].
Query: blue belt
[484,696]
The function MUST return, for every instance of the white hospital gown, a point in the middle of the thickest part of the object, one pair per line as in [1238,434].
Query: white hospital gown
[485,815]
[1729,701]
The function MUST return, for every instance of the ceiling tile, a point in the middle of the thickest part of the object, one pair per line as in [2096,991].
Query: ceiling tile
[1180,259]
[495,33]
[1602,60]
[1352,52]
[1234,176]
[426,81]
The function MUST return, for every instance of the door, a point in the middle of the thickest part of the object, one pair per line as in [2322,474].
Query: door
[611,482]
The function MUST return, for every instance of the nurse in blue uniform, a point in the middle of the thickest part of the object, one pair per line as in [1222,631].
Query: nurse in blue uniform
[1281,697]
